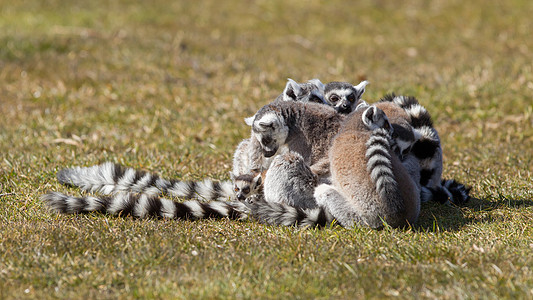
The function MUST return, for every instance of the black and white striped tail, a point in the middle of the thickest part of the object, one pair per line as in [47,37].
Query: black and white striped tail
[429,152]
[450,191]
[286,215]
[428,148]
[143,205]
[109,178]
[379,164]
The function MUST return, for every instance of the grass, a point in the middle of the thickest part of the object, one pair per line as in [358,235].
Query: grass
[164,86]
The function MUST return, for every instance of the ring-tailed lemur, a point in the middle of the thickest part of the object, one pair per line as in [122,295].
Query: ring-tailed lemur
[249,168]
[144,205]
[343,96]
[305,128]
[428,151]
[311,91]
[381,192]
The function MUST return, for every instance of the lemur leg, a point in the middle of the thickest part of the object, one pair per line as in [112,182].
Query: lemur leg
[328,197]
[289,180]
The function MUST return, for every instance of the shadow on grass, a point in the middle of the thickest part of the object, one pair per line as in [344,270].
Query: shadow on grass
[437,217]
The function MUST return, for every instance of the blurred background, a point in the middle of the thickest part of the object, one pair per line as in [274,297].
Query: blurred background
[165,85]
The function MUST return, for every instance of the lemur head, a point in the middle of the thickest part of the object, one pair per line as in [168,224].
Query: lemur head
[245,185]
[343,96]
[403,138]
[374,118]
[270,129]
[311,91]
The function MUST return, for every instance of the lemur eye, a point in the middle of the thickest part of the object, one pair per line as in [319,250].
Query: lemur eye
[351,97]
[334,98]
[246,190]
[236,189]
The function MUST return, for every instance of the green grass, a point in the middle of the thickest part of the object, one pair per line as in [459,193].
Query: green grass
[165,85]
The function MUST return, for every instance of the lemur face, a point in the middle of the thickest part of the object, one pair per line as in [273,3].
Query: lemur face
[246,185]
[271,132]
[343,96]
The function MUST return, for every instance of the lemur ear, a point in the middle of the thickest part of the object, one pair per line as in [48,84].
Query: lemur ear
[361,88]
[368,116]
[316,82]
[258,180]
[362,104]
[292,89]
[374,117]
[250,120]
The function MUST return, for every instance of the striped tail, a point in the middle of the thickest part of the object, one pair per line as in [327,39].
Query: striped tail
[428,147]
[109,178]
[143,205]
[379,164]
[286,215]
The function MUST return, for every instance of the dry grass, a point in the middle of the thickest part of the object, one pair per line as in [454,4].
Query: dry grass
[164,86]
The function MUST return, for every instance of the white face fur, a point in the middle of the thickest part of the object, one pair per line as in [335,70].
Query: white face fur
[244,188]
[271,132]
[343,96]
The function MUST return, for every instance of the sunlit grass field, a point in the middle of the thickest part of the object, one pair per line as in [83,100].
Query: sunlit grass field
[164,86]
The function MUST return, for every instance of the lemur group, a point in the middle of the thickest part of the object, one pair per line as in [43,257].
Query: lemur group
[318,155]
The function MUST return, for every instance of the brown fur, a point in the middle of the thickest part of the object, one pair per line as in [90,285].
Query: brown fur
[354,197]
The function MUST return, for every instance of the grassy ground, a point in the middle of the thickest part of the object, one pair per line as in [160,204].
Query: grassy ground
[164,86]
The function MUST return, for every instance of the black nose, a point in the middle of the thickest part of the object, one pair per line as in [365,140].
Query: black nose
[344,109]
[241,197]
[266,140]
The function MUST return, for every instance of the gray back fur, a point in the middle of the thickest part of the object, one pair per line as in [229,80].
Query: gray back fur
[289,180]
[306,128]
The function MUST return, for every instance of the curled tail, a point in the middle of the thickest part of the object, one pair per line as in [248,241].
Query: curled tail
[143,205]
[428,148]
[286,215]
[379,164]
[109,178]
